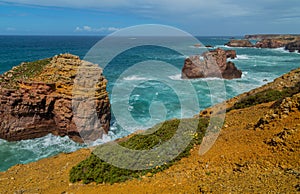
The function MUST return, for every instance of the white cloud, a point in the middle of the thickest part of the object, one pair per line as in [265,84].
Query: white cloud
[90,29]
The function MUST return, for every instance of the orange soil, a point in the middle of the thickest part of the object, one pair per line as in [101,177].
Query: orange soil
[239,162]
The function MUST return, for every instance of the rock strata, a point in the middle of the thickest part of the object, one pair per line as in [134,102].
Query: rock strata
[36,102]
[239,43]
[211,64]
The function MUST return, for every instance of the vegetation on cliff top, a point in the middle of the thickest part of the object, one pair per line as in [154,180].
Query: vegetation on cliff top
[94,169]
[23,72]
[265,96]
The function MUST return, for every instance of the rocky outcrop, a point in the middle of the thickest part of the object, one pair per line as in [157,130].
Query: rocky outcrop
[293,46]
[273,40]
[239,43]
[211,64]
[272,36]
[270,43]
[36,99]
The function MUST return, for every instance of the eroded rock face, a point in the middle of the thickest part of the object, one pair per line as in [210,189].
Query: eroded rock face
[270,43]
[239,43]
[294,46]
[211,64]
[41,103]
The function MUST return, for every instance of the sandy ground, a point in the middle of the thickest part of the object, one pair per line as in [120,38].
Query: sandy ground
[239,162]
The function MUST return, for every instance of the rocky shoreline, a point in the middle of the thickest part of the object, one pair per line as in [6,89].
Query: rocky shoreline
[246,157]
[289,42]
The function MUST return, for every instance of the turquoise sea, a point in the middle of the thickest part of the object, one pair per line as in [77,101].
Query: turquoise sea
[257,65]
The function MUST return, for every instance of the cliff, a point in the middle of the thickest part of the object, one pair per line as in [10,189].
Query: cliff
[36,99]
[270,36]
[273,40]
[211,64]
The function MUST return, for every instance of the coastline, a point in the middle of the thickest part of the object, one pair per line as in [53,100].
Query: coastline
[240,160]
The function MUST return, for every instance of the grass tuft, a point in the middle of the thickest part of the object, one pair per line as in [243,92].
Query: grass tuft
[23,72]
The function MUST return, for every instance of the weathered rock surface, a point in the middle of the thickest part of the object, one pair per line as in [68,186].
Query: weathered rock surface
[293,46]
[211,64]
[36,102]
[239,43]
[270,43]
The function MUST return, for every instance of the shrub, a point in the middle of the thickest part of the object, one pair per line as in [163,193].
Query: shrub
[266,96]
[94,169]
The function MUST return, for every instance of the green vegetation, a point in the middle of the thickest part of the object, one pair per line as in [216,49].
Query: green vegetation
[266,96]
[93,169]
[23,72]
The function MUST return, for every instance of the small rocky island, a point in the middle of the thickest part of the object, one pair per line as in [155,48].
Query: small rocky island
[239,43]
[36,99]
[211,64]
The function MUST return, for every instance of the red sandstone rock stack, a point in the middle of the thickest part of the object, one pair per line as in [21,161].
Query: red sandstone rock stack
[211,64]
[41,104]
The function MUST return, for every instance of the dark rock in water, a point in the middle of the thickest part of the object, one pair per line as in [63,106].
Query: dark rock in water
[211,64]
[35,102]
[230,54]
[208,46]
[239,43]
[293,46]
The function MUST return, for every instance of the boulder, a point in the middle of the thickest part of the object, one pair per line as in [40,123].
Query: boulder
[293,46]
[239,43]
[39,101]
[211,64]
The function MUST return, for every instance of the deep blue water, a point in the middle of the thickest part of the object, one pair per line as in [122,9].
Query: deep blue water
[146,93]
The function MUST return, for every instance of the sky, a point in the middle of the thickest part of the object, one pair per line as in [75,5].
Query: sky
[102,17]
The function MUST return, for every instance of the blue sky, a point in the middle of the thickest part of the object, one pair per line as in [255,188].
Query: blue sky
[101,17]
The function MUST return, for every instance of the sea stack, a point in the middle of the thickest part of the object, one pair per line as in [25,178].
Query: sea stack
[36,99]
[211,64]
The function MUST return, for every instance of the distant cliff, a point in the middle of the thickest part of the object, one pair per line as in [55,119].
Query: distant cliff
[271,36]
[273,40]
[36,99]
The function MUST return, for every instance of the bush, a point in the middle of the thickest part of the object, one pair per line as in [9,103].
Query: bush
[93,169]
[266,96]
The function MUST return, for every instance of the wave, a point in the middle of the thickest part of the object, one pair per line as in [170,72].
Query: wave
[175,77]
[281,49]
[134,78]
[242,57]
[26,151]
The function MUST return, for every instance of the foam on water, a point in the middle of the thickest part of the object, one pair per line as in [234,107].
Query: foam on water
[134,78]
[25,151]
[175,77]
[242,57]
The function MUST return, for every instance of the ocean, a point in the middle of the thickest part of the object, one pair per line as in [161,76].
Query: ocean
[259,66]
